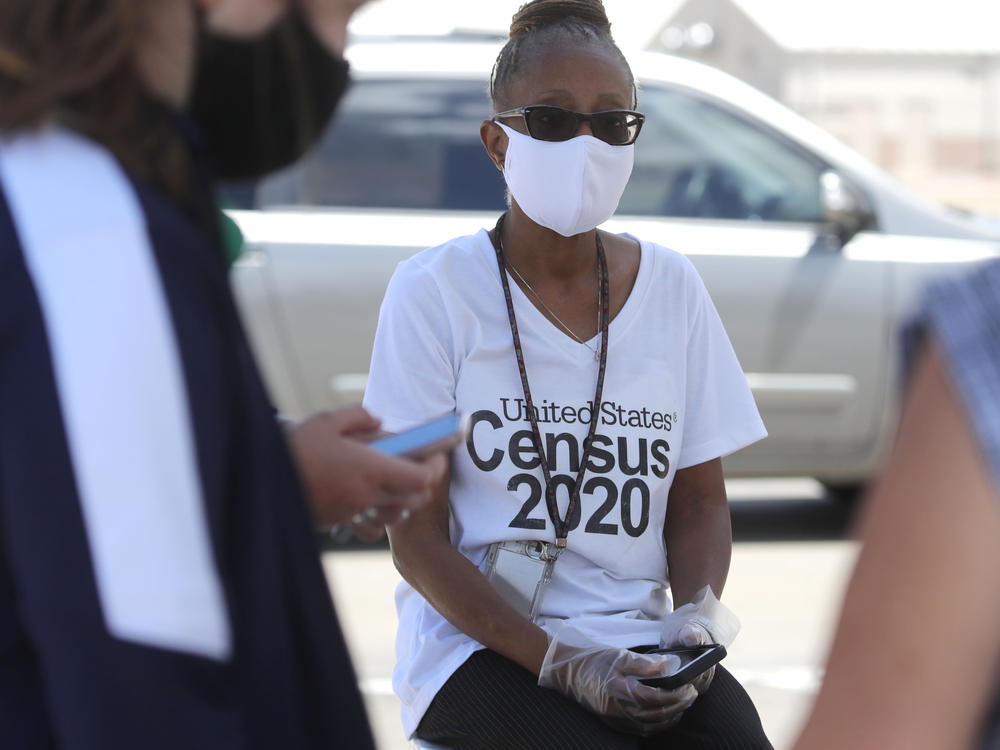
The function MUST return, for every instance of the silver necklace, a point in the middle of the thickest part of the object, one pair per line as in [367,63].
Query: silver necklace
[566,328]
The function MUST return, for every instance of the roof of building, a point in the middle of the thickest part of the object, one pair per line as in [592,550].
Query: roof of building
[862,26]
[881,26]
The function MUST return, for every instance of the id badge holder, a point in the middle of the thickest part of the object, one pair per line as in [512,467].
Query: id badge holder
[519,572]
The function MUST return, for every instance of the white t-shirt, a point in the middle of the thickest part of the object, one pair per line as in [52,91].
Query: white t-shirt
[674,396]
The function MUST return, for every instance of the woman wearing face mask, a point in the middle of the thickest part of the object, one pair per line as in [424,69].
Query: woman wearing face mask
[601,391]
[159,584]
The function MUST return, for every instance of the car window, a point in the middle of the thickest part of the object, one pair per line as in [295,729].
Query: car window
[414,144]
[695,158]
[397,144]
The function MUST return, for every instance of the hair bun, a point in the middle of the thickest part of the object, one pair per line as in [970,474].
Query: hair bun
[538,14]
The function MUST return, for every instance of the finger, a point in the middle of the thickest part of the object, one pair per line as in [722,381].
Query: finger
[647,665]
[404,482]
[648,696]
[391,514]
[368,532]
[366,515]
[437,465]
[352,419]
[702,681]
[376,517]
[692,634]
[630,690]
[656,717]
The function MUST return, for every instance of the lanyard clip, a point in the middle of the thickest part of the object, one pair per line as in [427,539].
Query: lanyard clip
[544,551]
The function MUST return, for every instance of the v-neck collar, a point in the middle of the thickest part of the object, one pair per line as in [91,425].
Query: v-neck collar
[531,316]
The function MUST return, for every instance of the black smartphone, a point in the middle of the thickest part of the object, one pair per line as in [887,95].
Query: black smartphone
[694,661]
[436,436]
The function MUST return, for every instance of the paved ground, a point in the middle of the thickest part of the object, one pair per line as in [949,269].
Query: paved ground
[790,563]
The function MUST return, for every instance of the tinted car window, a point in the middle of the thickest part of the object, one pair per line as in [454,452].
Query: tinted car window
[397,144]
[697,159]
[414,144]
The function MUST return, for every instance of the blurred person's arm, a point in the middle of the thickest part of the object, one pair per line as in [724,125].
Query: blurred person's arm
[697,531]
[915,657]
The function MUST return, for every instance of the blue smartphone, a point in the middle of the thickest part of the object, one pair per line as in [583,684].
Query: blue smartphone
[436,436]
[694,661]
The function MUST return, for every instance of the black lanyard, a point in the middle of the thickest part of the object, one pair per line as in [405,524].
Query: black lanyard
[561,524]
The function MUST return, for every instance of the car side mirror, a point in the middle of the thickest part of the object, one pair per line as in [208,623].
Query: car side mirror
[846,210]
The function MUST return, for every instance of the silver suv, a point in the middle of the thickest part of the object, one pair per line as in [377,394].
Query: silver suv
[812,254]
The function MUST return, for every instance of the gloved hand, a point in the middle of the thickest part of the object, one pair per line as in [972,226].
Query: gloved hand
[605,680]
[704,620]
[695,634]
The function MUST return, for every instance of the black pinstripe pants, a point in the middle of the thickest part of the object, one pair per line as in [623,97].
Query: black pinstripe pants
[492,703]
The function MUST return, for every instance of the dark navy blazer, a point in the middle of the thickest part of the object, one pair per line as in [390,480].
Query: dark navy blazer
[65,680]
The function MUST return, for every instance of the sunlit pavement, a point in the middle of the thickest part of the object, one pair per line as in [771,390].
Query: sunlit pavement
[790,563]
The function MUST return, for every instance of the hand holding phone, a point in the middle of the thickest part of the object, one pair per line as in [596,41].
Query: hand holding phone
[343,476]
[694,660]
[418,443]
[606,680]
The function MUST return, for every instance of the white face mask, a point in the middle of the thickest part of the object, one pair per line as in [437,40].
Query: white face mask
[568,186]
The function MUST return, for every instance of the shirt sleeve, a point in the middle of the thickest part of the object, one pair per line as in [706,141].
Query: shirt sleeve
[412,374]
[962,315]
[720,414]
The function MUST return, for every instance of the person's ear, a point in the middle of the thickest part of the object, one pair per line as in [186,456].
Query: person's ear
[495,142]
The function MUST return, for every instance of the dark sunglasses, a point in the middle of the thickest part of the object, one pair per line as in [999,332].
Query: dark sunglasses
[546,122]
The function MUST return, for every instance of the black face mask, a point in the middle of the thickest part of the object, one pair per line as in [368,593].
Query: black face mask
[260,104]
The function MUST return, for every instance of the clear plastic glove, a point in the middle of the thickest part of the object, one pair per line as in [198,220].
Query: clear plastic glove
[605,680]
[702,621]
[695,634]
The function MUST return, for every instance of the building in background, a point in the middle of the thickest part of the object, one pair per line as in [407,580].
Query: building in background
[913,86]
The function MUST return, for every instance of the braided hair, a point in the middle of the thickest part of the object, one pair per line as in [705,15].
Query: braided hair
[539,25]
